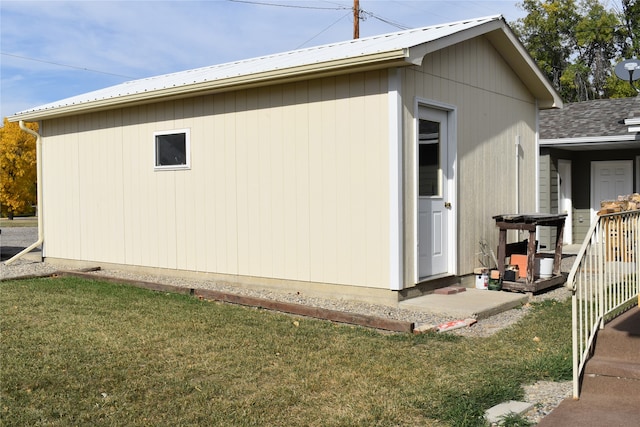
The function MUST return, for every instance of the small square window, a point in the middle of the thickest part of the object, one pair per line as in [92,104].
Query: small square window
[171,149]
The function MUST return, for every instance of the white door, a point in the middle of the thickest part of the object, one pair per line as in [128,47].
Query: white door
[433,205]
[609,180]
[564,199]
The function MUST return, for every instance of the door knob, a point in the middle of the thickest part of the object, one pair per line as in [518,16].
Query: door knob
[447,205]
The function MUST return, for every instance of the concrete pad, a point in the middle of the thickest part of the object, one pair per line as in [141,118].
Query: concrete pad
[34,255]
[476,303]
[494,414]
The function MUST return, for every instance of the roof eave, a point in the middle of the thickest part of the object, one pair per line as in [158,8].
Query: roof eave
[399,57]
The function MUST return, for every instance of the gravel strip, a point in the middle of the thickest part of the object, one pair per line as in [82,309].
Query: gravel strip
[544,395]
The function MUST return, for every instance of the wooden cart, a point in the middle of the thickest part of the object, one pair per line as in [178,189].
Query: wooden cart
[529,222]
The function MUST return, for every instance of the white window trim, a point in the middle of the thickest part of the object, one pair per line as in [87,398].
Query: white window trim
[187,138]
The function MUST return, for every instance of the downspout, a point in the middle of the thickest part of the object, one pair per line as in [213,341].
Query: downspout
[536,157]
[517,144]
[39,195]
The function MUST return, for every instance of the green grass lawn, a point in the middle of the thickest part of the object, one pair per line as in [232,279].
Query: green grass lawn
[78,352]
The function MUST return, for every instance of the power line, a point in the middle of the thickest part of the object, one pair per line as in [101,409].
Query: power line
[290,5]
[322,31]
[65,65]
[386,21]
[362,12]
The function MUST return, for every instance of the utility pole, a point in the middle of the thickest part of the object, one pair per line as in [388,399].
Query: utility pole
[356,19]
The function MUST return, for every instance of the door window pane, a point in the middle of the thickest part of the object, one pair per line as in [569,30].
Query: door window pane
[429,159]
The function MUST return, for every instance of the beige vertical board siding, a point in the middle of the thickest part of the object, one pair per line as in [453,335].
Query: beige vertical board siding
[71,208]
[115,172]
[205,128]
[230,158]
[51,187]
[215,184]
[299,173]
[345,165]
[134,207]
[289,170]
[257,192]
[285,182]
[375,132]
[101,167]
[330,182]
[316,205]
[90,168]
[493,107]
[195,230]
[356,151]
[280,203]
[243,134]
[263,147]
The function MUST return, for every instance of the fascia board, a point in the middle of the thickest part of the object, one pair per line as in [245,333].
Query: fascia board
[551,142]
[358,64]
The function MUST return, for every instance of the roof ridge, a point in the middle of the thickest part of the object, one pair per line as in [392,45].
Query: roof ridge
[361,40]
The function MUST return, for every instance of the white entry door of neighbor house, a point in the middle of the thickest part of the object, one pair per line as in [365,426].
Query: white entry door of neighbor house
[434,207]
[610,179]
[565,204]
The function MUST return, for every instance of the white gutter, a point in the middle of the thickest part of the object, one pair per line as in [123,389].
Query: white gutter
[551,142]
[39,195]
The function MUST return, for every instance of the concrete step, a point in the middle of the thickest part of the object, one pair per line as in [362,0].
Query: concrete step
[610,392]
[620,339]
[595,410]
[612,367]
[611,388]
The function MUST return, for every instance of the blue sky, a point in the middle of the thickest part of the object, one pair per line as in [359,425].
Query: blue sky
[51,50]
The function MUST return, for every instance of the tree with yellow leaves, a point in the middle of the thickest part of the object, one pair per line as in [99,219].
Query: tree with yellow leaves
[17,169]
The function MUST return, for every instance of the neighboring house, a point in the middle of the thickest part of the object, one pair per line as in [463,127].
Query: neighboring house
[589,152]
[366,169]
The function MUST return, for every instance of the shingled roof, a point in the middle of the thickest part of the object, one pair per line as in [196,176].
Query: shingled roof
[597,118]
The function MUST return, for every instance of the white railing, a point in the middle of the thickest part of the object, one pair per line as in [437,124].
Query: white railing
[605,281]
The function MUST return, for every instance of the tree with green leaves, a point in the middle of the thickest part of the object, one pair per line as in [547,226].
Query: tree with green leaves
[576,44]
[629,32]
[17,169]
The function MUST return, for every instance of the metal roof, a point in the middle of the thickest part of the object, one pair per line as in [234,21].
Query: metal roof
[394,49]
